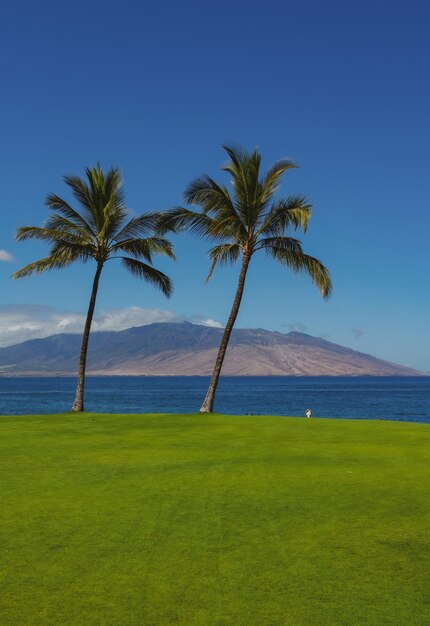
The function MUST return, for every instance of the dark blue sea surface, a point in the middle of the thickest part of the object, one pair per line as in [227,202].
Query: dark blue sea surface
[394,398]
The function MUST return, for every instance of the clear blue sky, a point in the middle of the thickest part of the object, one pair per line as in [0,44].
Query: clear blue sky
[156,88]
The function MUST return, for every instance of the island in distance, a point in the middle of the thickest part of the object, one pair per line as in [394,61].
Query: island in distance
[185,349]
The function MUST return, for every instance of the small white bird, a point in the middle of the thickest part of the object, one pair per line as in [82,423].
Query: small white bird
[308,413]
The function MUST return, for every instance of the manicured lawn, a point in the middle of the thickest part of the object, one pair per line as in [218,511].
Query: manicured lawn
[153,520]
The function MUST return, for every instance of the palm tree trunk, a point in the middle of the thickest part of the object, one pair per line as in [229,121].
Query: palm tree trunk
[208,403]
[78,404]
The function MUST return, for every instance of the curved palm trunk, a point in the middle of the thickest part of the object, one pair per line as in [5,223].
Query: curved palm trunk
[78,404]
[208,403]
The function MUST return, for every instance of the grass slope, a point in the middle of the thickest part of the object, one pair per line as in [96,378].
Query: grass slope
[194,520]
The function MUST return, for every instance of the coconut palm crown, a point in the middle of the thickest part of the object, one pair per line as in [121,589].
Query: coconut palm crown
[99,230]
[247,220]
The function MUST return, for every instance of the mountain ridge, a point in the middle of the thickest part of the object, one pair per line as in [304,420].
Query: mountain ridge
[183,348]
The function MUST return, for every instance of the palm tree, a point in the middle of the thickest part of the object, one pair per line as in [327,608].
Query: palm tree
[100,231]
[243,223]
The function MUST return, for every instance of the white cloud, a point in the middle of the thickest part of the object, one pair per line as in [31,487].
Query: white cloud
[120,319]
[6,256]
[22,322]
[211,323]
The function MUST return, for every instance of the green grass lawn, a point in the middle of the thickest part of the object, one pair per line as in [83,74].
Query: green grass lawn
[145,520]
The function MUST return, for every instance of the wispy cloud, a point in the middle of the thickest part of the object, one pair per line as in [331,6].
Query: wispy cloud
[22,322]
[297,327]
[6,256]
[357,332]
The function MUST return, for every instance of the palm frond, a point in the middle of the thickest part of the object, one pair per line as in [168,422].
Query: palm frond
[271,181]
[73,252]
[100,196]
[56,203]
[111,187]
[223,254]
[145,247]
[140,226]
[294,212]
[64,225]
[113,217]
[226,228]
[43,265]
[239,168]
[109,200]
[283,243]
[205,192]
[303,263]
[48,234]
[82,193]
[216,201]
[239,157]
[252,170]
[181,219]
[149,274]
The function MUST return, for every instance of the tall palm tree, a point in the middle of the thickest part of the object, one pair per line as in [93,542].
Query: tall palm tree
[99,231]
[242,223]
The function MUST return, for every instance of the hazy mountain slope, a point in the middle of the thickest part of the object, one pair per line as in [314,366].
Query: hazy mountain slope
[188,349]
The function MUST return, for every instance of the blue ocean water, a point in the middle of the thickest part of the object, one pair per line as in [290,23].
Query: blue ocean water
[400,399]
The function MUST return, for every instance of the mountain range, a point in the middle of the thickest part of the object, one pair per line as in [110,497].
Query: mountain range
[185,349]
